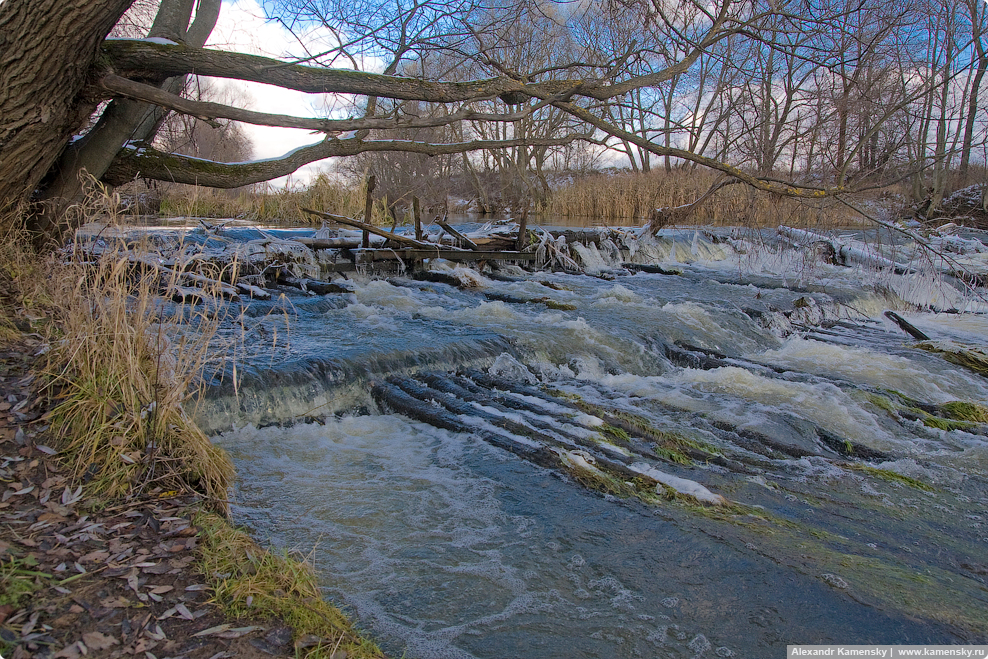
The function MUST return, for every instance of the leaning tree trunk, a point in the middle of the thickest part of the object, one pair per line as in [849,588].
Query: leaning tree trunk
[47,51]
[124,119]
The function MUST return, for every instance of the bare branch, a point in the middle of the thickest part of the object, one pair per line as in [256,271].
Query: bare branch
[153,164]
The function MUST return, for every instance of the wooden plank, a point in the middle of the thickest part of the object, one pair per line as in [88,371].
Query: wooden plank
[401,240]
[368,208]
[456,234]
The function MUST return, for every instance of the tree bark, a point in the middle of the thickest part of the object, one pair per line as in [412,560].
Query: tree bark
[175,168]
[124,119]
[44,78]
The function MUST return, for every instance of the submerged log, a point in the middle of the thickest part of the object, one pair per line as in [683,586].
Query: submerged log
[437,278]
[315,285]
[651,269]
[906,326]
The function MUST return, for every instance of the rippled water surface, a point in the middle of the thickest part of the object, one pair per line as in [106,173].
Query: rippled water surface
[712,463]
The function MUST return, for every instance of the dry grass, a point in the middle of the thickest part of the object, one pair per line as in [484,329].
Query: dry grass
[249,580]
[604,198]
[120,371]
[623,196]
[117,369]
[273,205]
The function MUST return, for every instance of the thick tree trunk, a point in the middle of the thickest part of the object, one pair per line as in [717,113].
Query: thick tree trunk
[47,52]
[125,119]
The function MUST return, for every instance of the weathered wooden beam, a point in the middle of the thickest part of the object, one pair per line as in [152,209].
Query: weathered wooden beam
[418,218]
[401,240]
[368,209]
[456,234]
[371,255]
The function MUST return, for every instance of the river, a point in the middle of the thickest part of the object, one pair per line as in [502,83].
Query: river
[461,462]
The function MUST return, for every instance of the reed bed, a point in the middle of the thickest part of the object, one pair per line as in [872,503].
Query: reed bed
[611,197]
[269,205]
[615,197]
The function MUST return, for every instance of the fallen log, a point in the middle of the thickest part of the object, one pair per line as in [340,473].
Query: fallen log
[224,289]
[254,291]
[186,294]
[846,253]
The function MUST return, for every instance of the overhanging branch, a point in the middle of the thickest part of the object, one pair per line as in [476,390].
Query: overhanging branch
[207,110]
[152,164]
[136,59]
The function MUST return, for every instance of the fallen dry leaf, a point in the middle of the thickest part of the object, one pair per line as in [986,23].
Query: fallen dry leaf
[98,640]
[95,556]
[115,603]
[239,631]
[73,651]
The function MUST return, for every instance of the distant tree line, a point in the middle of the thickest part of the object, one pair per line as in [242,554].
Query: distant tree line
[809,99]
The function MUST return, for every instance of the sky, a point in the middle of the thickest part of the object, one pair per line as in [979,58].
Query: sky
[241,27]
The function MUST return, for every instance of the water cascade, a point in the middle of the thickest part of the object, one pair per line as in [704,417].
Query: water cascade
[708,444]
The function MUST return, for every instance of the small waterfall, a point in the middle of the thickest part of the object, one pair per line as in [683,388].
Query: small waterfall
[705,456]
[317,387]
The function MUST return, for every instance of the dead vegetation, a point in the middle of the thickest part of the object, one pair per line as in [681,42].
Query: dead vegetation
[104,474]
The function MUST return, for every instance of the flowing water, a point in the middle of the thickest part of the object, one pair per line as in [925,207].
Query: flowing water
[711,463]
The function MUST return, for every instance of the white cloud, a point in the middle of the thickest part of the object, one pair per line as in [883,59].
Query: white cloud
[242,27]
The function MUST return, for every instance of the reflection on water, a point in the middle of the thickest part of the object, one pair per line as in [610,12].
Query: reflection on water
[854,507]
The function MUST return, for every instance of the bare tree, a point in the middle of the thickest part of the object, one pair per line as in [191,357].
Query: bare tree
[541,76]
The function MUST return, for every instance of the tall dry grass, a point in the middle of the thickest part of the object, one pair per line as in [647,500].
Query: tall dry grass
[269,205]
[117,367]
[622,196]
[120,370]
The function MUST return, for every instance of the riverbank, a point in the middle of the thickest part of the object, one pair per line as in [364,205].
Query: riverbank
[139,575]
[111,539]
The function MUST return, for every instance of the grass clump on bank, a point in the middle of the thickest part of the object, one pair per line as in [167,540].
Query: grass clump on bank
[973,359]
[622,426]
[119,372]
[249,580]
[891,476]
[17,579]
